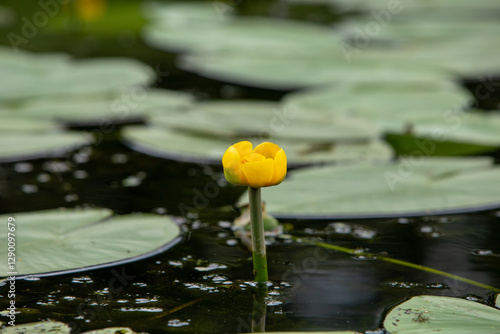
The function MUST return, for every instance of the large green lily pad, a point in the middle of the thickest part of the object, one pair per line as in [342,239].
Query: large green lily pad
[392,105]
[29,75]
[187,146]
[71,240]
[102,109]
[410,115]
[23,146]
[181,31]
[24,138]
[274,69]
[207,129]
[445,315]
[271,53]
[412,187]
[266,119]
[460,7]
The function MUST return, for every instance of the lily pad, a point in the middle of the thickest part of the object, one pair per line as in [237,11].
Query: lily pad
[459,6]
[188,146]
[177,33]
[272,53]
[50,326]
[102,109]
[111,330]
[412,187]
[41,327]
[277,70]
[72,240]
[446,315]
[29,75]
[392,105]
[23,146]
[316,332]
[409,115]
[266,119]
[23,138]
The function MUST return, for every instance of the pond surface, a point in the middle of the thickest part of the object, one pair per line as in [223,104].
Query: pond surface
[205,284]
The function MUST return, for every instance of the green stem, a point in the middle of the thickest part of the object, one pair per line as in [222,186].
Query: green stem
[258,237]
[400,262]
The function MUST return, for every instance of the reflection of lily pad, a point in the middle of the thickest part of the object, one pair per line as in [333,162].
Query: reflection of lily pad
[73,240]
[27,75]
[446,315]
[413,187]
[187,146]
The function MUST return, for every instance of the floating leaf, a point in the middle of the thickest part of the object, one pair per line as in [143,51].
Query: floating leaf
[394,106]
[41,327]
[103,109]
[192,147]
[411,115]
[413,187]
[459,133]
[411,8]
[28,75]
[183,34]
[71,240]
[23,146]
[266,119]
[51,326]
[111,330]
[446,315]
[272,53]
[264,68]
[316,332]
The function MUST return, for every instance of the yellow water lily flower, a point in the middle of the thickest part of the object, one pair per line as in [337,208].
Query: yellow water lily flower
[263,166]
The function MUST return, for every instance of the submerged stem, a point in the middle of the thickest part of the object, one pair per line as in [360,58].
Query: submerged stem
[258,237]
[400,262]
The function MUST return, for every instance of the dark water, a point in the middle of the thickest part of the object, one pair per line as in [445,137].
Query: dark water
[205,284]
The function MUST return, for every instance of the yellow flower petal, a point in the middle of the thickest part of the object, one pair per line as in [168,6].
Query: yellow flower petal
[280,167]
[259,173]
[267,149]
[243,147]
[231,161]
